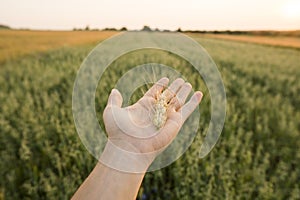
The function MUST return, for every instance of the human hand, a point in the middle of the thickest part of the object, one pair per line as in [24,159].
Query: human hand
[132,128]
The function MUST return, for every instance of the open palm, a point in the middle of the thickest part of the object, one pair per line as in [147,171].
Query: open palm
[133,125]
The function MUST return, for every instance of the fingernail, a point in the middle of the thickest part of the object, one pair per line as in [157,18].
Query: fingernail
[164,79]
[199,95]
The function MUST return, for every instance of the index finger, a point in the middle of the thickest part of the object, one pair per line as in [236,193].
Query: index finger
[157,87]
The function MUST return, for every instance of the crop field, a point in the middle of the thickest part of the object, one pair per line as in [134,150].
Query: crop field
[19,43]
[256,157]
[292,41]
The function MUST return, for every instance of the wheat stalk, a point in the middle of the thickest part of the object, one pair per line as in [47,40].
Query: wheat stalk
[160,110]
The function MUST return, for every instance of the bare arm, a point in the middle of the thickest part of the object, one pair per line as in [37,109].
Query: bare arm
[128,148]
[107,183]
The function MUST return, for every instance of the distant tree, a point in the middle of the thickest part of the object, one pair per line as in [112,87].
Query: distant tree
[87,28]
[4,27]
[123,29]
[109,29]
[156,30]
[146,28]
[179,30]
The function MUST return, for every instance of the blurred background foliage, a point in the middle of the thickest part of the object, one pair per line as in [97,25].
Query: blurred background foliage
[257,156]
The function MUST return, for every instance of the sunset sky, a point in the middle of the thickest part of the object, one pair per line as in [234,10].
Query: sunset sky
[164,14]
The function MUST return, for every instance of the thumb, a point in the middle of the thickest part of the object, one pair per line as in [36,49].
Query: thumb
[115,98]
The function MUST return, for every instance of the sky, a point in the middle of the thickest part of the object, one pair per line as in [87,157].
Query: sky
[163,14]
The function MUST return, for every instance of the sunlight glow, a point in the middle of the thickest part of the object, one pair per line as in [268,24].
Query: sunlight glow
[292,10]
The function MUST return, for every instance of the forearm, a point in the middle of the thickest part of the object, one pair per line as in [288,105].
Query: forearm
[107,183]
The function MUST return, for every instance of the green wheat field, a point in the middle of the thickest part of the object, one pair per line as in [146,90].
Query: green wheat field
[256,157]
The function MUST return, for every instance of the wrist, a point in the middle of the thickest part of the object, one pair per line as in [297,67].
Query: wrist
[123,156]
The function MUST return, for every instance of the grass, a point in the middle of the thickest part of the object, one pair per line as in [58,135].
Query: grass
[257,156]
